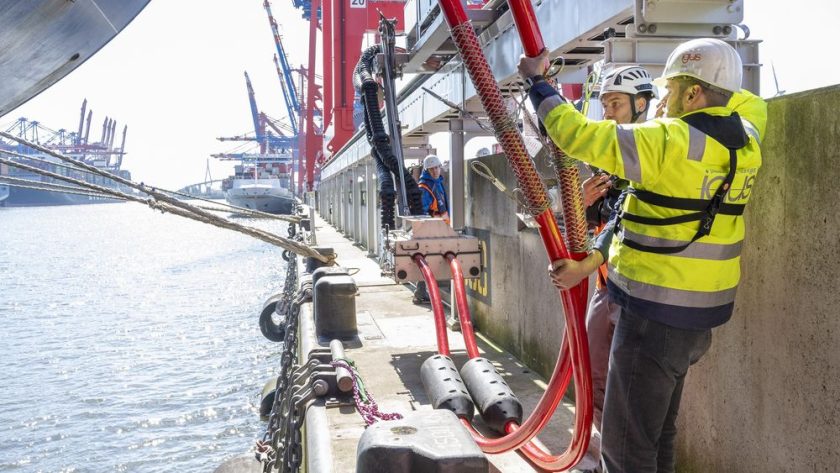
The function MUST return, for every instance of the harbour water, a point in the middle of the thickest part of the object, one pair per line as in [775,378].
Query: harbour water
[130,339]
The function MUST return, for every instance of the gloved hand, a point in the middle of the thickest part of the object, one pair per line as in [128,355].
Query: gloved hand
[567,273]
[533,66]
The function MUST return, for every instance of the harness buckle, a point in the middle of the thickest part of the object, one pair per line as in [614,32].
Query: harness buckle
[713,209]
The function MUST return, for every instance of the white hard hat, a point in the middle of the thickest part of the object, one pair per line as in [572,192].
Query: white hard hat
[709,60]
[629,80]
[431,161]
[482,152]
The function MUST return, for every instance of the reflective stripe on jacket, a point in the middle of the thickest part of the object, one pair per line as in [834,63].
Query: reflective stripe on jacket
[696,287]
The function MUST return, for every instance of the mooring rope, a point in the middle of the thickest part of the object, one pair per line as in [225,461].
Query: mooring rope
[165,203]
[257,213]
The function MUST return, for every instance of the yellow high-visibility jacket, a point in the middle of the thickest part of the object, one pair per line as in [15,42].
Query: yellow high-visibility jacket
[693,288]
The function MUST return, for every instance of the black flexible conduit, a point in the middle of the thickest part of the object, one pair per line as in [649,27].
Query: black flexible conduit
[387,165]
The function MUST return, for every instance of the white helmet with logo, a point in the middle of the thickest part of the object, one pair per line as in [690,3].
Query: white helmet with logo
[706,59]
[629,80]
[431,161]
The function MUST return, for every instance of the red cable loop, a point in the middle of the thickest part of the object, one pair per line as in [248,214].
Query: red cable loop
[437,304]
[537,455]
[463,306]
[575,352]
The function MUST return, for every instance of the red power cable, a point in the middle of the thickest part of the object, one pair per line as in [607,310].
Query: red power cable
[463,306]
[437,304]
[576,351]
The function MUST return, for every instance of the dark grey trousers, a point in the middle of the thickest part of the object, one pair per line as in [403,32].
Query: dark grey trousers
[648,364]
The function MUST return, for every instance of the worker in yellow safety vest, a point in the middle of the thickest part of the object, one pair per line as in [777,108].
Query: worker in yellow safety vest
[674,260]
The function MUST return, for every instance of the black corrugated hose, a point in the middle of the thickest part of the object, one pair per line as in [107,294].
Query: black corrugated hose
[387,165]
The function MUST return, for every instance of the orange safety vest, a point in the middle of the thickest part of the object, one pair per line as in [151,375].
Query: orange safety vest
[433,209]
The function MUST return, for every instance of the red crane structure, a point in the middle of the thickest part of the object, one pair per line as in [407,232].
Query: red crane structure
[343,25]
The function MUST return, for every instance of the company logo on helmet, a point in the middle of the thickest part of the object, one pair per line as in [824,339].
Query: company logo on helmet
[691,57]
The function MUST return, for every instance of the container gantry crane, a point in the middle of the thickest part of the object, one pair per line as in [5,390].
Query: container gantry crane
[71,143]
[284,72]
[268,142]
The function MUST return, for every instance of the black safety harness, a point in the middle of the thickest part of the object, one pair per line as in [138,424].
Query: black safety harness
[729,132]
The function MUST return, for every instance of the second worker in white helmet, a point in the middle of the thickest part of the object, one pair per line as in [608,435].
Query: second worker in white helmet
[625,96]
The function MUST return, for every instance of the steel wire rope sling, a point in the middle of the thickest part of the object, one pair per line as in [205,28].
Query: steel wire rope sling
[574,351]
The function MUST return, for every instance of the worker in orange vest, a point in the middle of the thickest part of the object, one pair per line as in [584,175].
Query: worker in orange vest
[435,202]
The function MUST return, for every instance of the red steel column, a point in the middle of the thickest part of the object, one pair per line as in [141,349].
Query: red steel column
[312,148]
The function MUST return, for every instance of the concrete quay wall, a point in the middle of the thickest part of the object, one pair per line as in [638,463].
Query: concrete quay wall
[766,398]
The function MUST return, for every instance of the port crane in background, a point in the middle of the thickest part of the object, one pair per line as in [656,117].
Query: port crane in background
[284,72]
[75,144]
[302,120]
[268,142]
[343,26]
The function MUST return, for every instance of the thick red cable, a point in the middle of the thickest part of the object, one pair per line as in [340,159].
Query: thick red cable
[463,306]
[437,304]
[536,199]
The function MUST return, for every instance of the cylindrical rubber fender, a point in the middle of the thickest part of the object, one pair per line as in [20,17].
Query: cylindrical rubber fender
[496,402]
[270,304]
[267,397]
[272,323]
[444,387]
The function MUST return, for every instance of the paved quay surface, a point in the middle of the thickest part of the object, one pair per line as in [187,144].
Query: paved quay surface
[395,337]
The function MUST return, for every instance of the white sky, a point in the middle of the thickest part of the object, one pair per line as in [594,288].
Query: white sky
[175,76]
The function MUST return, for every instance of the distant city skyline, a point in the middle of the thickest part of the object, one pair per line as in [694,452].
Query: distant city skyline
[175,77]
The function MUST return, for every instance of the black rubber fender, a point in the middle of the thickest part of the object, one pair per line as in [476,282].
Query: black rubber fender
[444,386]
[267,397]
[272,326]
[493,397]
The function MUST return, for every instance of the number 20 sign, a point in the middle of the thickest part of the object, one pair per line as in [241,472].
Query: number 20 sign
[358,3]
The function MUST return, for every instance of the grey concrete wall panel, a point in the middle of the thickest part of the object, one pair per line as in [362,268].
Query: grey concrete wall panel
[765,397]
[44,40]
[517,307]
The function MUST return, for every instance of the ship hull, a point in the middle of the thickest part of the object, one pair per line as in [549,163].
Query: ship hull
[22,197]
[264,203]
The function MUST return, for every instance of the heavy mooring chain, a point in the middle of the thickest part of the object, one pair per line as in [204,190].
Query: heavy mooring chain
[291,311]
[293,453]
[281,447]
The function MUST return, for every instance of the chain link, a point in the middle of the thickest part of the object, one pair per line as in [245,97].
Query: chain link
[267,449]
